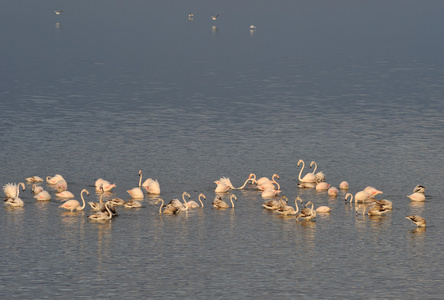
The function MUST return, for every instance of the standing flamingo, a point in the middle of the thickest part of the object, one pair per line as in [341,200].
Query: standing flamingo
[74,204]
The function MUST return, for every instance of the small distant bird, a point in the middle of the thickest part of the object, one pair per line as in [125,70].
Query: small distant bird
[419,221]
[58,12]
[252,27]
[214,17]
[190,17]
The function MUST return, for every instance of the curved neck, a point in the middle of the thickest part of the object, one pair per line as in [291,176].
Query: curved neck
[349,195]
[18,188]
[185,201]
[83,200]
[275,182]
[140,178]
[316,166]
[296,203]
[160,208]
[231,199]
[300,172]
[245,183]
[109,211]
[201,203]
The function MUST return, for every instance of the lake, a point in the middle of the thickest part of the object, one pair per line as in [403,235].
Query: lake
[106,89]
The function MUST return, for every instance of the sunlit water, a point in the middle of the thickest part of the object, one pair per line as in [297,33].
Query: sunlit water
[106,89]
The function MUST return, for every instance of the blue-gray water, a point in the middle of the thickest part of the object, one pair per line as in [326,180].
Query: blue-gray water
[108,88]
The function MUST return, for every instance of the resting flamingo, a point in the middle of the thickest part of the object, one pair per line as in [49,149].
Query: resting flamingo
[14,202]
[105,185]
[65,195]
[419,189]
[74,204]
[418,197]
[344,185]
[268,193]
[34,179]
[53,180]
[264,181]
[61,185]
[36,189]
[418,220]
[322,186]
[332,191]
[43,196]
[221,187]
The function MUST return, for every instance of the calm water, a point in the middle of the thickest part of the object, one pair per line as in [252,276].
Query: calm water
[107,88]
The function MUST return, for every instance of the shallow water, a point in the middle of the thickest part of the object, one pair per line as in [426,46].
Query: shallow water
[104,90]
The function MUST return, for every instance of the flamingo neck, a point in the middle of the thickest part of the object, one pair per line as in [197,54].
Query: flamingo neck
[201,203]
[300,172]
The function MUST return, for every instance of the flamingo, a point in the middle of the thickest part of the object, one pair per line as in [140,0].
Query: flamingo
[275,204]
[268,193]
[332,191]
[34,179]
[363,196]
[418,220]
[61,185]
[74,204]
[221,187]
[320,176]
[53,180]
[322,186]
[309,177]
[12,190]
[105,185]
[194,204]
[288,210]
[43,196]
[98,206]
[419,189]
[309,185]
[344,185]
[169,210]
[307,213]
[376,210]
[117,201]
[264,181]
[418,197]
[65,195]
[152,186]
[132,204]
[221,204]
[386,204]
[14,202]
[107,215]
[372,191]
[323,209]
[36,189]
